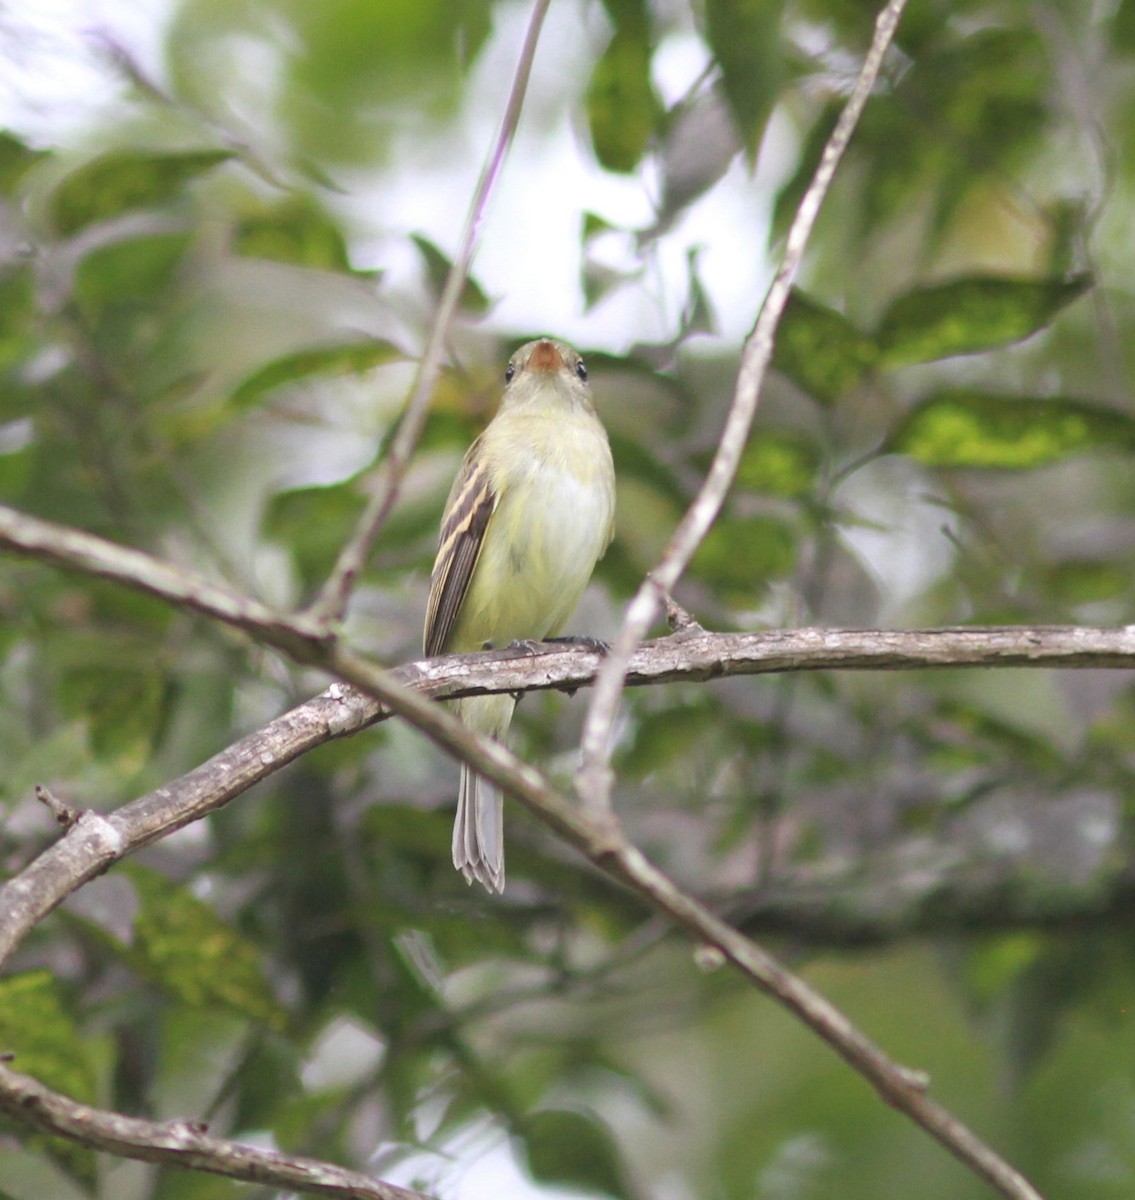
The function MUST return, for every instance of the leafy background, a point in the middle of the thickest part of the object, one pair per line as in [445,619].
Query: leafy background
[213,287]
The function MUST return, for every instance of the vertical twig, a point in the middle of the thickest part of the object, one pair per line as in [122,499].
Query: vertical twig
[593,781]
[331,603]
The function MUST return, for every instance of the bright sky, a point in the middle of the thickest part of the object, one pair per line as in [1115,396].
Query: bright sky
[54,83]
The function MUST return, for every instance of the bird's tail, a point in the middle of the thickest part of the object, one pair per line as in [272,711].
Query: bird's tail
[478,831]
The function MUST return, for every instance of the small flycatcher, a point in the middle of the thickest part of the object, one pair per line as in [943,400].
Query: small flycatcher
[531,511]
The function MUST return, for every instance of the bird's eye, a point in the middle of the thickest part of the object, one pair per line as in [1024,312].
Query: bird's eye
[509,372]
[581,370]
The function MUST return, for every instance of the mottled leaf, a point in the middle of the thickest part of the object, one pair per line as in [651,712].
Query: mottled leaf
[182,945]
[820,350]
[966,316]
[122,704]
[47,1044]
[960,428]
[124,180]
[778,463]
[42,1037]
[744,37]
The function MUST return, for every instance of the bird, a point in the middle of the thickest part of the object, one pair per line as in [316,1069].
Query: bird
[531,511]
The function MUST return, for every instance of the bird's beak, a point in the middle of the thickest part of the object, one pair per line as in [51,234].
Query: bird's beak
[545,357]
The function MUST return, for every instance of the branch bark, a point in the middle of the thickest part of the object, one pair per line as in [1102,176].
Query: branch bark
[181,1144]
[94,841]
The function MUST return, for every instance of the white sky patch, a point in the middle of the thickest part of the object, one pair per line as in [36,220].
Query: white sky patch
[54,73]
[904,540]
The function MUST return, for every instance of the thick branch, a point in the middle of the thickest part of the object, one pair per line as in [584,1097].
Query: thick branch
[181,1144]
[98,841]
[95,841]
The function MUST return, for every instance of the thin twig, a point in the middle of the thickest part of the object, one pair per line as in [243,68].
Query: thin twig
[181,1144]
[331,603]
[593,782]
[180,586]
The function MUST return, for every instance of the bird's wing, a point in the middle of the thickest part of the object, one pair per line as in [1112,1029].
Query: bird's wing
[471,504]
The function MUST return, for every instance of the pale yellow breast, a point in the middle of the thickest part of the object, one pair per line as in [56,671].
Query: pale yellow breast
[555,481]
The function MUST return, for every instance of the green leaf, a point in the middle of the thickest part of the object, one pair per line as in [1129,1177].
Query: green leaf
[671,734]
[820,350]
[969,315]
[963,428]
[46,1043]
[741,554]
[15,159]
[575,1149]
[744,37]
[1086,580]
[473,299]
[181,944]
[124,180]
[350,359]
[621,104]
[1123,27]
[295,232]
[123,705]
[128,275]
[593,226]
[314,522]
[779,463]
[789,197]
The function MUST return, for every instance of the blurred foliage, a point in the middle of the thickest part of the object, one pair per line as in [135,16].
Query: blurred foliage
[205,340]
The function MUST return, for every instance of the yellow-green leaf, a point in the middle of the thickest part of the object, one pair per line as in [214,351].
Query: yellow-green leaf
[820,350]
[960,428]
[183,945]
[296,232]
[778,463]
[966,316]
[45,1042]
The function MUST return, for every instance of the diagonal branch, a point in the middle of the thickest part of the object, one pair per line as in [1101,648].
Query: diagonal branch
[94,842]
[331,603]
[594,779]
[78,551]
[181,1144]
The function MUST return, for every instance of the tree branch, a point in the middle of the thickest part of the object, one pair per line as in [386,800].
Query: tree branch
[75,550]
[95,841]
[181,1144]
[594,778]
